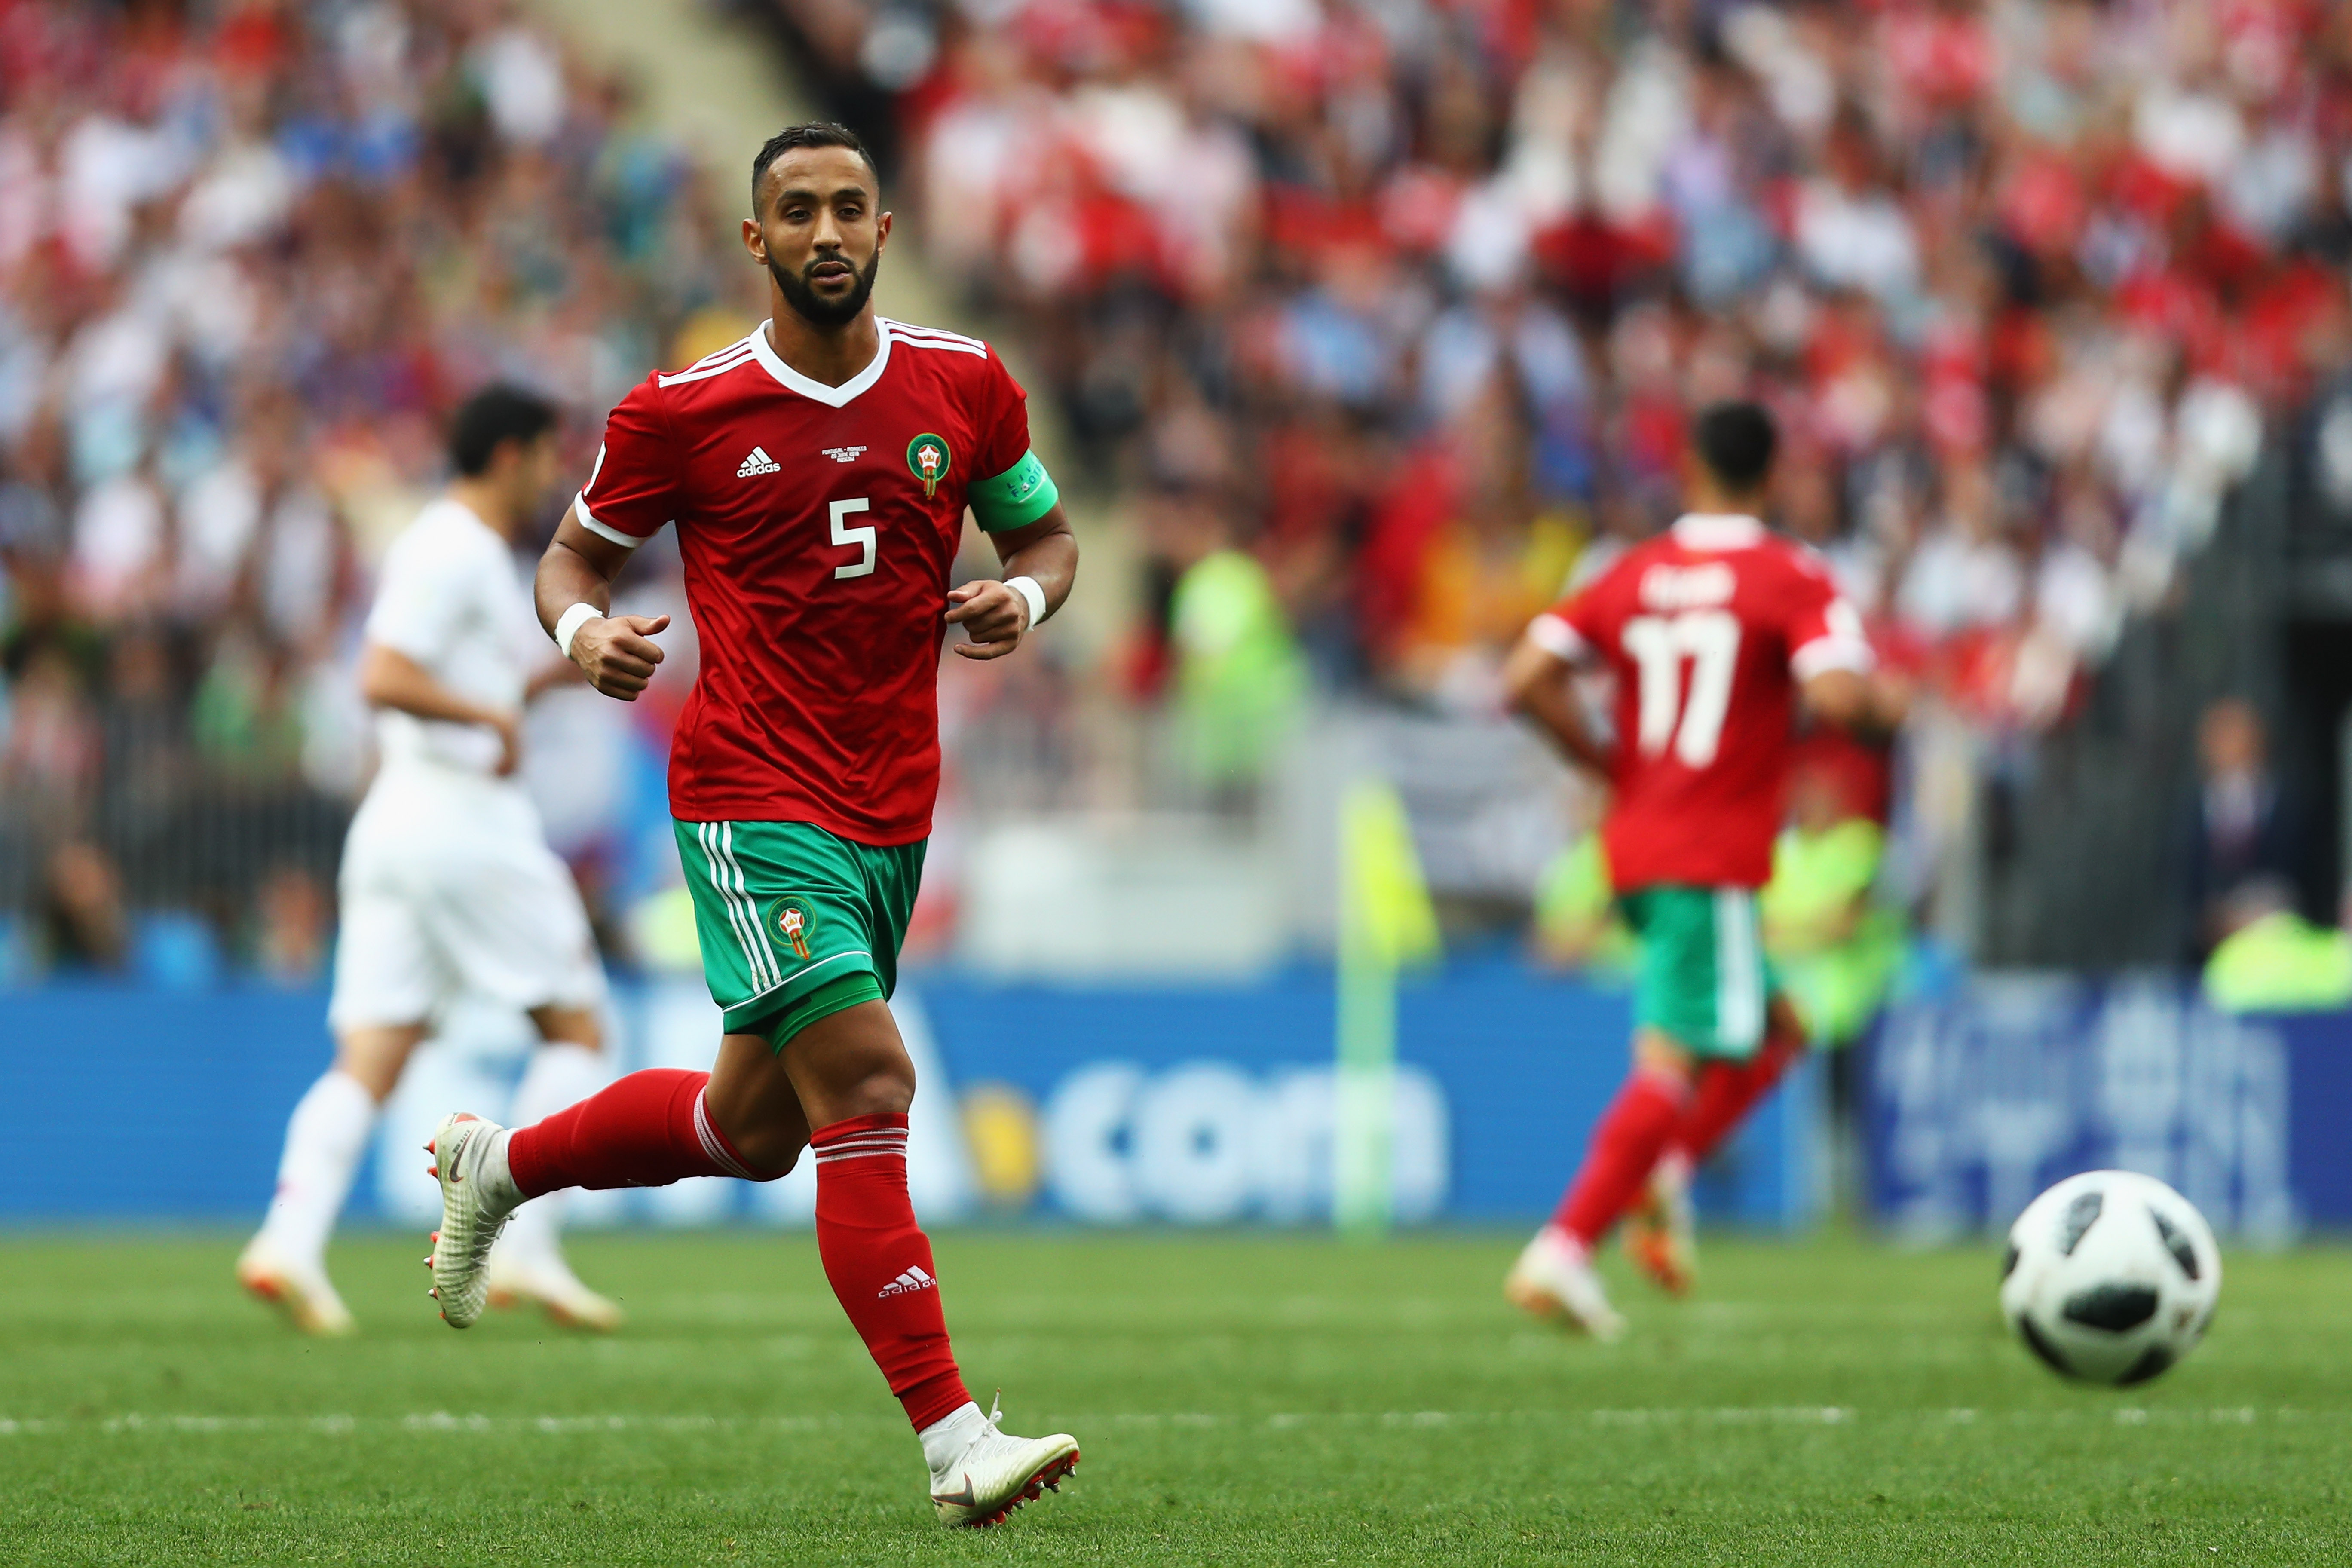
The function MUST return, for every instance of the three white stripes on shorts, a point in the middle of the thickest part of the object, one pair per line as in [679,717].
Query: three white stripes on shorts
[1739,969]
[717,841]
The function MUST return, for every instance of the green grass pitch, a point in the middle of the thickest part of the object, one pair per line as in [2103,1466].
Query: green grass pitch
[1240,1399]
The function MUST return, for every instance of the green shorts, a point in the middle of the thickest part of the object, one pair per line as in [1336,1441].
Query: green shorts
[1704,981]
[795,923]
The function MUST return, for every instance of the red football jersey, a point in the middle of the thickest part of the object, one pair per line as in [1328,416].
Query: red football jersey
[1708,627]
[817,525]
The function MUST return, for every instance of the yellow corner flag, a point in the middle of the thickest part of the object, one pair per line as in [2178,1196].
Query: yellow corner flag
[1385,914]
[1386,922]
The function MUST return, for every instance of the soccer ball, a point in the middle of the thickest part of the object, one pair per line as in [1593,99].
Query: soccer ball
[2111,1277]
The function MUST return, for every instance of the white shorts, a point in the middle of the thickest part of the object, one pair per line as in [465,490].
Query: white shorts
[448,887]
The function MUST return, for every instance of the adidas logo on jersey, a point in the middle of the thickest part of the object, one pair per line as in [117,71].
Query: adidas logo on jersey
[759,462]
[911,1280]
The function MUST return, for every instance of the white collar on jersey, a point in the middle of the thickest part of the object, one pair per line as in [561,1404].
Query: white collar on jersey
[831,396]
[1719,531]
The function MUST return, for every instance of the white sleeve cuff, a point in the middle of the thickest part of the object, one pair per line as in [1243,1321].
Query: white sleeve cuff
[588,521]
[1558,638]
[1833,652]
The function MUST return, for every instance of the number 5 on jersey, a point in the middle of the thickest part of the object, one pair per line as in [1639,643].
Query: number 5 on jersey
[861,537]
[1659,644]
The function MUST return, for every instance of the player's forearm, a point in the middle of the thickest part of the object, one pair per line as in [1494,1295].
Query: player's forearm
[390,678]
[1838,697]
[567,577]
[1535,686]
[1558,714]
[548,677]
[1051,562]
[614,652]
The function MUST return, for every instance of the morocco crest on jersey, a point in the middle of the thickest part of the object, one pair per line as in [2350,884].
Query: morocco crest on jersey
[927,459]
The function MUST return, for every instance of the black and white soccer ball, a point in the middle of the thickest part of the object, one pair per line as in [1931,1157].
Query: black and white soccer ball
[2111,1277]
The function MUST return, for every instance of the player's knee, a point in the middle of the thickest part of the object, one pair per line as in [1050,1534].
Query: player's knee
[1655,1051]
[375,1054]
[887,1091]
[569,1026]
[876,1083]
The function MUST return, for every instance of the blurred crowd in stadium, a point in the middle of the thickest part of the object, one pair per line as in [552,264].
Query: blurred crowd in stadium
[1412,297]
[1377,322]
[250,255]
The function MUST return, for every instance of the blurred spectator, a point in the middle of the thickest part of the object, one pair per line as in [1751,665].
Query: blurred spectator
[1836,945]
[84,925]
[2242,830]
[51,750]
[2269,959]
[141,728]
[1239,678]
[293,918]
[1577,923]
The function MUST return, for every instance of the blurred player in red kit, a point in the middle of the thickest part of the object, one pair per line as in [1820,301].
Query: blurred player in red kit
[1715,631]
[817,472]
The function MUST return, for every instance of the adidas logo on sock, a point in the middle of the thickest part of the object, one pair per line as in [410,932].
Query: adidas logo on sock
[759,462]
[912,1279]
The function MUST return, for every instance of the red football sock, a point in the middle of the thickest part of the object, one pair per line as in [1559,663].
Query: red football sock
[1727,1092]
[647,1130]
[880,1262]
[1626,1143]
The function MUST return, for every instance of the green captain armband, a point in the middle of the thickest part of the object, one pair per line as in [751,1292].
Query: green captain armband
[1015,498]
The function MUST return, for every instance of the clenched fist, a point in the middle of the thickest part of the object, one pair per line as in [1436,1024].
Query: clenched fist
[616,653]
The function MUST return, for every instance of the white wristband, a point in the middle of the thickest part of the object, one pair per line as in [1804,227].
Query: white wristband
[569,625]
[1028,589]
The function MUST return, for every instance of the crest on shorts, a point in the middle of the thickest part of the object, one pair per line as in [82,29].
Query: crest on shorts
[929,460]
[792,919]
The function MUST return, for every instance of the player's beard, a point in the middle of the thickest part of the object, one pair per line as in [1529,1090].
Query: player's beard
[814,308]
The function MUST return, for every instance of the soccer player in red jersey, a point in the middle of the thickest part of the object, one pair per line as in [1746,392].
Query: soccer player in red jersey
[1715,630]
[817,472]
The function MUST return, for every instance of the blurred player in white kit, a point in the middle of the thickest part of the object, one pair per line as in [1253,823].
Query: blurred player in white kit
[447,885]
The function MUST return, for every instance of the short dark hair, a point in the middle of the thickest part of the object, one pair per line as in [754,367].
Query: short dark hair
[815,134]
[1735,441]
[497,414]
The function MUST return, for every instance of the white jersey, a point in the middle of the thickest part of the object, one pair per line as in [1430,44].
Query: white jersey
[447,884]
[451,598]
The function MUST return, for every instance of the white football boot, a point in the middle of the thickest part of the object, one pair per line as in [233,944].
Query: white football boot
[978,1474]
[1554,1279]
[477,1196]
[515,1280]
[302,1291]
